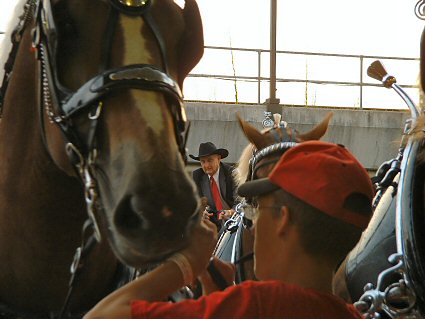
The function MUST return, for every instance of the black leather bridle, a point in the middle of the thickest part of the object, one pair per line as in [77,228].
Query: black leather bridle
[63,105]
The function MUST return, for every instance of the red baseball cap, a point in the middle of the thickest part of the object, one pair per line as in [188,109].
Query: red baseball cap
[323,175]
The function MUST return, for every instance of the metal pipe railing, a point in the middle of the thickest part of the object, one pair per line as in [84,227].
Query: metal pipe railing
[259,79]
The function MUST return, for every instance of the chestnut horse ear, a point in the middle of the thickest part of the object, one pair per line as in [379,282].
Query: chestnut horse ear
[191,44]
[318,131]
[254,136]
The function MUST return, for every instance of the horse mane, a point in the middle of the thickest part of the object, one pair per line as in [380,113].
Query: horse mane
[418,131]
[240,173]
[418,134]
[5,43]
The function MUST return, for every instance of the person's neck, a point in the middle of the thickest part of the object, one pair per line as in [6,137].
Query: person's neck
[216,173]
[315,275]
[308,272]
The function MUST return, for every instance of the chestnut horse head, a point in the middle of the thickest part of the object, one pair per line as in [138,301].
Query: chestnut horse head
[279,133]
[93,120]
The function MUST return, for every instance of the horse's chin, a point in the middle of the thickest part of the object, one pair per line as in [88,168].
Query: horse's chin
[146,249]
[138,259]
[146,225]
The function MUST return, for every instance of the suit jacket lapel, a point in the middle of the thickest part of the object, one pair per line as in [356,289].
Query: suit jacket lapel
[206,189]
[222,182]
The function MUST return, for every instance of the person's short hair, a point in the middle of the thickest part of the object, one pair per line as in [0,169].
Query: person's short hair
[321,235]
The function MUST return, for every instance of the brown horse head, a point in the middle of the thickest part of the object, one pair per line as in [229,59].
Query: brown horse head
[278,133]
[147,197]
[123,66]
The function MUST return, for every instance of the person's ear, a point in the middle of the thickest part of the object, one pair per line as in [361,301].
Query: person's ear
[283,221]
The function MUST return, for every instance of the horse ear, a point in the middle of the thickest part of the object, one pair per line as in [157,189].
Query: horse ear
[191,44]
[254,136]
[318,131]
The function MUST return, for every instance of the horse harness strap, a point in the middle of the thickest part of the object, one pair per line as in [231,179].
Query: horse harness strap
[123,274]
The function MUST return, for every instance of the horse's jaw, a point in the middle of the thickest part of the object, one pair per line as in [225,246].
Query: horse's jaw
[141,250]
[148,211]
[138,241]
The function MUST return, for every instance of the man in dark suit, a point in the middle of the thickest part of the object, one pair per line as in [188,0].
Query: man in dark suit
[215,182]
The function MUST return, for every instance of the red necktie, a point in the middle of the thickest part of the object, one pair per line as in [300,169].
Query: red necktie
[216,195]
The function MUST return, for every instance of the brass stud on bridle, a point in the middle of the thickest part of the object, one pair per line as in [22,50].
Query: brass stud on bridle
[134,3]
[131,7]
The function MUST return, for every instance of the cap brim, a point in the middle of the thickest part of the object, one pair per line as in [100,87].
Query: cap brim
[257,187]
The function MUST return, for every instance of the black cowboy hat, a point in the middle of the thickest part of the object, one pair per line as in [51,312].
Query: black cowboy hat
[209,148]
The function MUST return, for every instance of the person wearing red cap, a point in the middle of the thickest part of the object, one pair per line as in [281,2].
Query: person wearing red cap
[308,213]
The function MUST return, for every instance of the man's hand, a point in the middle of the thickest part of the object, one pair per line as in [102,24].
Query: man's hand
[226,214]
[204,206]
[206,215]
[202,243]
[204,203]
[227,270]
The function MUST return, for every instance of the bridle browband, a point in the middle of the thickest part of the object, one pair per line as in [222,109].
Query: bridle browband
[63,105]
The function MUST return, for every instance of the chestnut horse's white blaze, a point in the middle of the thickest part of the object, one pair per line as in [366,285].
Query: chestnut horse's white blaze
[135,47]
[135,50]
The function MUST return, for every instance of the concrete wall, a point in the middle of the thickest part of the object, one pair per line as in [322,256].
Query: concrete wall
[370,134]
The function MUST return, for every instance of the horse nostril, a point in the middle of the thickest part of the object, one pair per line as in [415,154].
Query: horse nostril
[127,218]
[166,212]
